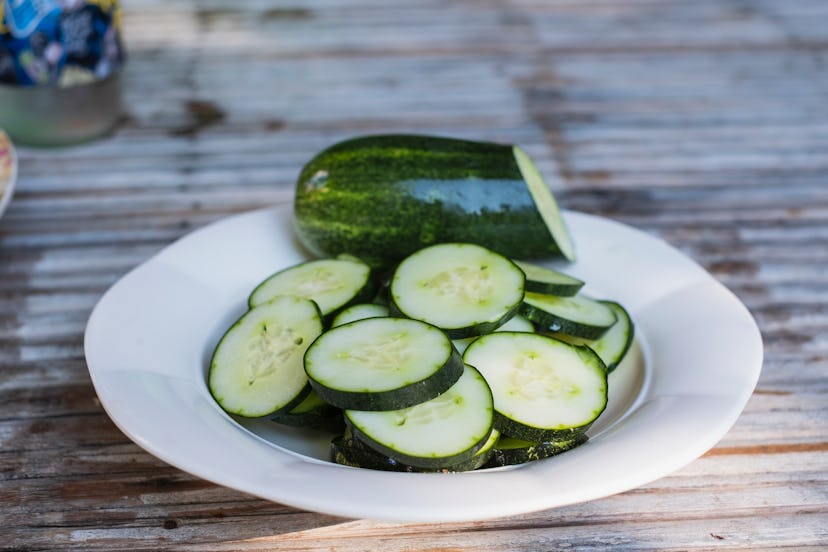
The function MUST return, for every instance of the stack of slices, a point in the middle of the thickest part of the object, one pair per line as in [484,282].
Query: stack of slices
[459,358]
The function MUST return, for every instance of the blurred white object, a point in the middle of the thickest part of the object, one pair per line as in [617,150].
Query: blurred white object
[8,171]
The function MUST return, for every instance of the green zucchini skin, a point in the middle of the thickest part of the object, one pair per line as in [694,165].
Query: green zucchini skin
[312,413]
[626,322]
[614,344]
[541,279]
[383,197]
[326,421]
[350,451]
[396,398]
[516,430]
[543,310]
[508,451]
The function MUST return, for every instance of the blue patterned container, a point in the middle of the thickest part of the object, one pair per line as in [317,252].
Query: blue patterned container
[60,66]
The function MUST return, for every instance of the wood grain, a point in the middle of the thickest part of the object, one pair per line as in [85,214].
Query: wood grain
[704,123]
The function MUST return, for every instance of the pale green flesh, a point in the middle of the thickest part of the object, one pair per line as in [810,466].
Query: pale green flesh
[457,285]
[309,403]
[538,381]
[517,323]
[494,437]
[609,347]
[330,283]
[449,424]
[545,203]
[257,366]
[377,354]
[543,274]
[578,308]
[360,312]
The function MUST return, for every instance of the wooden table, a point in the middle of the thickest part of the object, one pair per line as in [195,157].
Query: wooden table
[704,123]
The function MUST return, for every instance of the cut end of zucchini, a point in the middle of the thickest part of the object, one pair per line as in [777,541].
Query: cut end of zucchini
[545,203]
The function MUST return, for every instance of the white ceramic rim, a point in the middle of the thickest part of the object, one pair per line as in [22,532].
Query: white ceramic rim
[149,338]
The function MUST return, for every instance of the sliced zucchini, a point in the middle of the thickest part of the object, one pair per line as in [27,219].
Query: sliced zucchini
[333,284]
[578,316]
[541,279]
[312,413]
[436,434]
[544,389]
[256,368]
[382,364]
[482,456]
[360,311]
[517,323]
[462,288]
[614,344]
[509,451]
[350,451]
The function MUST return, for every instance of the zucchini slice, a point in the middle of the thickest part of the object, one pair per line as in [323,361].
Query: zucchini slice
[544,389]
[482,456]
[312,413]
[578,316]
[256,368]
[509,451]
[462,288]
[360,311]
[517,323]
[541,279]
[332,284]
[350,451]
[382,364]
[612,347]
[436,434]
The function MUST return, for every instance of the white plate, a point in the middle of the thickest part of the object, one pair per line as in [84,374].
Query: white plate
[695,362]
[8,171]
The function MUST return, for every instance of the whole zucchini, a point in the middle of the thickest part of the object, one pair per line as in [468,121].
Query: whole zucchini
[383,197]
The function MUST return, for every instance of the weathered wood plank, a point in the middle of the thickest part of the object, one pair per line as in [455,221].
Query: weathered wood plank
[703,123]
